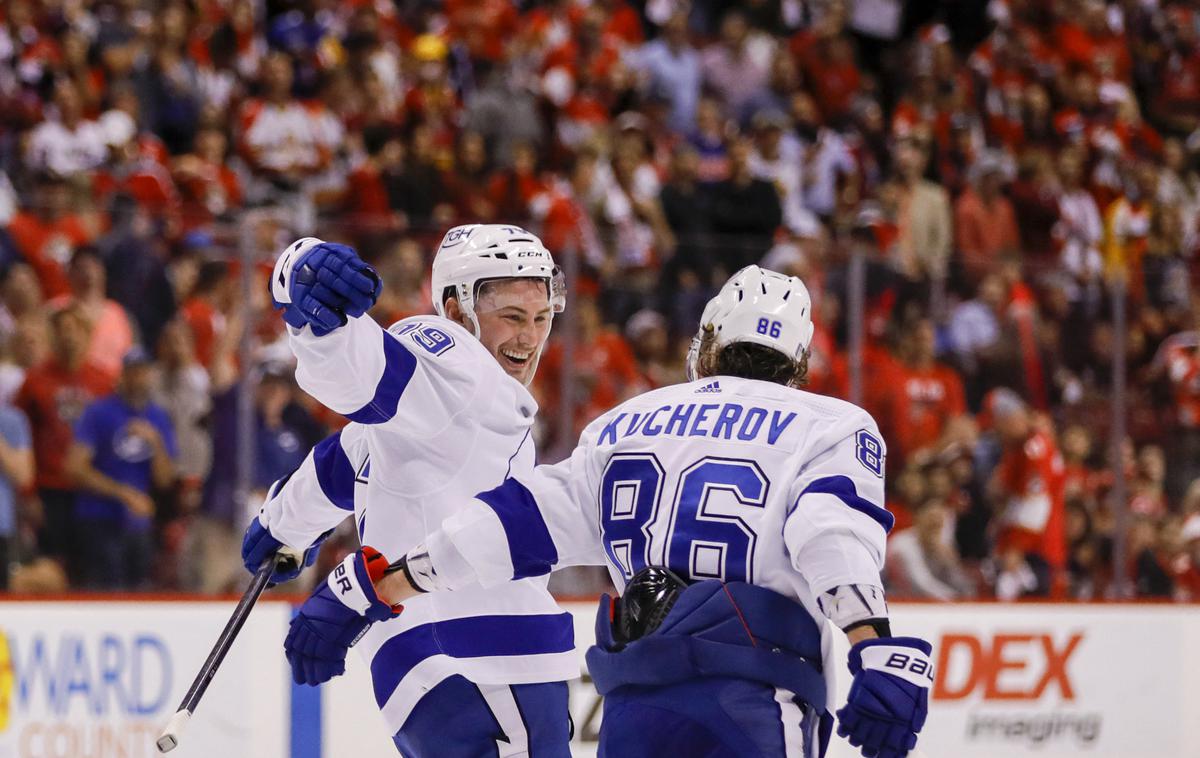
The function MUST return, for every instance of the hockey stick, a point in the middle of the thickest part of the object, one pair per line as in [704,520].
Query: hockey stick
[169,739]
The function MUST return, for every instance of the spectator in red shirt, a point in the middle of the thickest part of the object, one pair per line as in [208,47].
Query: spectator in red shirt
[53,396]
[1180,361]
[208,187]
[604,370]
[366,202]
[46,234]
[985,225]
[204,310]
[1027,488]
[928,413]
[111,331]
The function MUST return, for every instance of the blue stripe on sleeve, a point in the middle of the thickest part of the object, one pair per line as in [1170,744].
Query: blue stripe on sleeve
[529,542]
[335,474]
[472,637]
[843,489]
[398,368]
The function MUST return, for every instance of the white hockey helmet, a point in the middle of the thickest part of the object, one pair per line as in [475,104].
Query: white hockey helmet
[758,306]
[473,253]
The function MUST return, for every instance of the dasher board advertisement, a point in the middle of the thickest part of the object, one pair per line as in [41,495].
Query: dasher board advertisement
[85,679]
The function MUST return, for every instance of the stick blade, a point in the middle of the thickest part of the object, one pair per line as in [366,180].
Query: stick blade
[169,739]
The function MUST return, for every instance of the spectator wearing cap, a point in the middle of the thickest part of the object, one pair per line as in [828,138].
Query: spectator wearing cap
[124,449]
[985,226]
[134,172]
[283,433]
[53,398]
[112,334]
[1027,490]
[777,161]
[671,65]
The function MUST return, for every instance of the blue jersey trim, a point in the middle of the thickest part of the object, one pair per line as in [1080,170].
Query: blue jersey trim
[842,487]
[529,543]
[335,475]
[398,368]
[472,637]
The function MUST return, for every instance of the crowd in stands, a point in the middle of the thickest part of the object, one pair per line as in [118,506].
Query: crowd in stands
[968,190]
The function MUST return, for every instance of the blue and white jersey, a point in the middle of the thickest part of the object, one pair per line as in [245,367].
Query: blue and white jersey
[722,478]
[435,420]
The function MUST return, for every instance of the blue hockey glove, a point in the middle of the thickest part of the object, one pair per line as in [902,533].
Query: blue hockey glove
[889,698]
[258,544]
[321,284]
[335,616]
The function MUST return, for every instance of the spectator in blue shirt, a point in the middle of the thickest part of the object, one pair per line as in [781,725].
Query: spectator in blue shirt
[124,449]
[671,67]
[16,473]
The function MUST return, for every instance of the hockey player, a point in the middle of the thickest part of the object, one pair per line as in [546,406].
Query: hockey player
[439,410]
[738,516]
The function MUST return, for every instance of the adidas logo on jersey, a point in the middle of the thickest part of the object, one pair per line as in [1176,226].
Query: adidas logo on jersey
[709,389]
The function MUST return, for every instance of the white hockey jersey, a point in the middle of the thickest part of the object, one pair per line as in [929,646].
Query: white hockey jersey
[435,420]
[722,478]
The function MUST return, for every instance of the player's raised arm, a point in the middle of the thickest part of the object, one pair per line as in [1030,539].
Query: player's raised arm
[344,359]
[836,537]
[304,506]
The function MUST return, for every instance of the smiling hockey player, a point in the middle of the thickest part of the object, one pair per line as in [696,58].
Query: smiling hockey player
[440,411]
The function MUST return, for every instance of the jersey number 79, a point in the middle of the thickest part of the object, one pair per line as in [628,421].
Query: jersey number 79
[708,535]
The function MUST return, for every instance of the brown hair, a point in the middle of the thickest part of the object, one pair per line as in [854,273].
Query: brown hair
[749,360]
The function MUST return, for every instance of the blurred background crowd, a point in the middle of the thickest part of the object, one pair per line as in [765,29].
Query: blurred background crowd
[995,206]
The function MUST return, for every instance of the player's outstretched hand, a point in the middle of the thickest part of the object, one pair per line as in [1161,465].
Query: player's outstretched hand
[258,545]
[889,698]
[335,616]
[322,283]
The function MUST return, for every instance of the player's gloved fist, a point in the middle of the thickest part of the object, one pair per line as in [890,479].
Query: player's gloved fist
[889,698]
[258,545]
[335,616]
[321,284]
